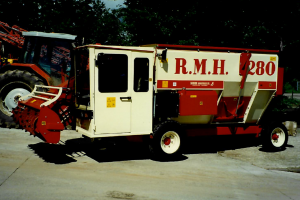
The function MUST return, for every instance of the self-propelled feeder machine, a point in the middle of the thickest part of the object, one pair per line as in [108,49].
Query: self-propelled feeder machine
[164,91]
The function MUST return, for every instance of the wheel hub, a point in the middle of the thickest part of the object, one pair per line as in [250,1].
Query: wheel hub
[167,141]
[275,137]
[12,98]
[278,137]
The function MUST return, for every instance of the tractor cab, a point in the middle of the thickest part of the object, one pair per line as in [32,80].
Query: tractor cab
[51,52]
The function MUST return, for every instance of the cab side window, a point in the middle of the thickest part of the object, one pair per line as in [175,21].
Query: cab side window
[141,75]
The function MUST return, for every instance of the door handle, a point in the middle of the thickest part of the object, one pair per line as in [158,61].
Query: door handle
[125,98]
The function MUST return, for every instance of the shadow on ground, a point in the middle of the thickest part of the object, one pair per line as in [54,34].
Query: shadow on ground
[120,150]
[101,151]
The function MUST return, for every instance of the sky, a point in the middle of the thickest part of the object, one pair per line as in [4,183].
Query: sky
[112,4]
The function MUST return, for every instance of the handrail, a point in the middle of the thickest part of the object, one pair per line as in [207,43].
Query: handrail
[45,93]
[49,100]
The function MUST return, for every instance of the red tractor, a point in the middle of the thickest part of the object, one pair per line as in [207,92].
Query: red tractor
[44,60]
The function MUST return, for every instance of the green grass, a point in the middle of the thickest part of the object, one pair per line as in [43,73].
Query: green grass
[283,103]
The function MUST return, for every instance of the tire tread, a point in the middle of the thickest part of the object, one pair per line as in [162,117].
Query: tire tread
[21,76]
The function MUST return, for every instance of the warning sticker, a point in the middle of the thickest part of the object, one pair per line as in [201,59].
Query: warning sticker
[111,102]
[272,58]
[165,84]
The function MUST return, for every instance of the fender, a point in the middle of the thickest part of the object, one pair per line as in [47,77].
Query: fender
[29,67]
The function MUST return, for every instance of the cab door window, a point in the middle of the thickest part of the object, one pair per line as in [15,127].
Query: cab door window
[113,73]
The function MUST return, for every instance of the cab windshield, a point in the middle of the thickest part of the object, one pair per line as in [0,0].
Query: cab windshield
[51,55]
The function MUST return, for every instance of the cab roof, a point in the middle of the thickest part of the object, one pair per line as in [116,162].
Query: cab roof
[50,35]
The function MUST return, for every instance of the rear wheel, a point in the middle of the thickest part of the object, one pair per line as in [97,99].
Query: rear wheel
[13,85]
[275,137]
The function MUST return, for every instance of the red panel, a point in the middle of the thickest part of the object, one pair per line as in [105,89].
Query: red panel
[227,130]
[280,81]
[49,125]
[227,109]
[179,84]
[33,103]
[197,103]
[267,85]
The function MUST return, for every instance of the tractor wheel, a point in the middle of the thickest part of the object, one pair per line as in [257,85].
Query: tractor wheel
[13,85]
[275,137]
[167,140]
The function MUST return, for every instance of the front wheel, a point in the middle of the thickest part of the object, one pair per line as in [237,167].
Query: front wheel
[167,139]
[275,137]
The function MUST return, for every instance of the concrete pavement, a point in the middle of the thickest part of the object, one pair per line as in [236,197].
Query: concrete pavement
[211,168]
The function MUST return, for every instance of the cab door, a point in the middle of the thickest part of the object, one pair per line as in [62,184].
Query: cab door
[142,94]
[112,92]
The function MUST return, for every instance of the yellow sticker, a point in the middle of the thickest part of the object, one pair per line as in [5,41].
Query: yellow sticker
[272,58]
[32,101]
[201,103]
[193,96]
[165,84]
[111,102]
[164,61]
[43,123]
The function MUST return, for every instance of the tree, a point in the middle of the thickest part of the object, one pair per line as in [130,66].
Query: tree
[88,18]
[237,23]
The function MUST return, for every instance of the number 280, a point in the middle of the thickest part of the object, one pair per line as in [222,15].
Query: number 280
[261,68]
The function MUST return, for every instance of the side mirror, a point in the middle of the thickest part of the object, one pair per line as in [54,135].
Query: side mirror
[164,55]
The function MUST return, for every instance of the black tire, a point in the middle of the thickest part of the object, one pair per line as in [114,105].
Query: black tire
[167,140]
[17,82]
[275,137]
